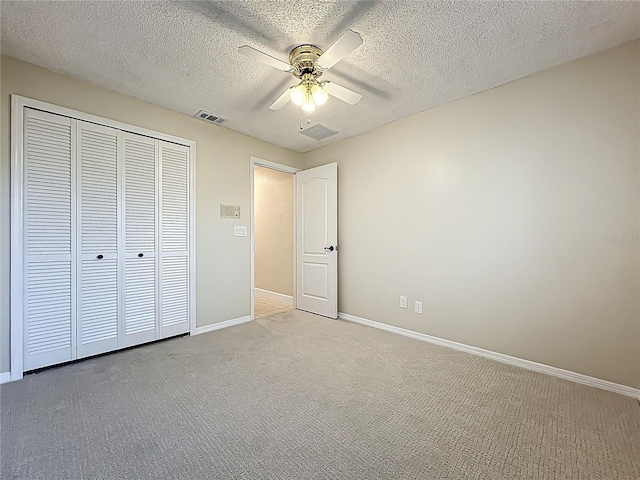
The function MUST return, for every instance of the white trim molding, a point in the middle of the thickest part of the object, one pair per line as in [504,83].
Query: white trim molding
[5,377]
[500,357]
[278,297]
[219,325]
[274,165]
[17,236]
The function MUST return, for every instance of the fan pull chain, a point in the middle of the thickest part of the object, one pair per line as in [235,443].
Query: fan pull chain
[301,119]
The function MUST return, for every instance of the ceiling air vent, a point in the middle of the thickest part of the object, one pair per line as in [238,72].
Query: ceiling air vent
[210,117]
[318,132]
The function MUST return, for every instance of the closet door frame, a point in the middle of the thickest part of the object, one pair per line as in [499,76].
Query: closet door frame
[18,250]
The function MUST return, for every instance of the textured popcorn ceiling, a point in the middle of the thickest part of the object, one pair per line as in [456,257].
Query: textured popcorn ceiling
[415,55]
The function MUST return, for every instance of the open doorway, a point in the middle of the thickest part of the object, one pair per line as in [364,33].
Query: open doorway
[273,236]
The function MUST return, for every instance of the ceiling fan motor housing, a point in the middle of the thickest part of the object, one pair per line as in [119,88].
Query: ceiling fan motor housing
[304,60]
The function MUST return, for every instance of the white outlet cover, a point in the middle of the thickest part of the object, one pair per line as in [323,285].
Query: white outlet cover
[239,231]
[419,307]
[403,302]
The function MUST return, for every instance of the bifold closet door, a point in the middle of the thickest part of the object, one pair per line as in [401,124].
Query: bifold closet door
[49,255]
[174,239]
[97,323]
[138,155]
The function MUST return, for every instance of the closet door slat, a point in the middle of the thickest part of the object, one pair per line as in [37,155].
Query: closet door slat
[140,193]
[174,239]
[140,323]
[48,228]
[140,293]
[98,234]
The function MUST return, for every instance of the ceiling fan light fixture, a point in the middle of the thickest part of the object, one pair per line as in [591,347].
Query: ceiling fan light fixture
[307,95]
[298,94]
[319,95]
[308,106]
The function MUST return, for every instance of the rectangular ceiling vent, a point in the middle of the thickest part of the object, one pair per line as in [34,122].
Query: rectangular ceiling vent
[318,132]
[210,117]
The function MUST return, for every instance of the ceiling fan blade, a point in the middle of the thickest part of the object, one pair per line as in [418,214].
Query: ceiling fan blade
[281,101]
[341,93]
[264,58]
[343,46]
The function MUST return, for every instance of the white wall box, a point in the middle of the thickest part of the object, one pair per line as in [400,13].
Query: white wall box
[102,241]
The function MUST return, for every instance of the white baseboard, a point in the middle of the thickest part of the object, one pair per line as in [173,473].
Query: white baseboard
[219,325]
[500,357]
[5,377]
[278,297]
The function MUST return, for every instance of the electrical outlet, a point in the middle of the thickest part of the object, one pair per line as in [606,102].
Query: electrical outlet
[239,231]
[403,302]
[419,307]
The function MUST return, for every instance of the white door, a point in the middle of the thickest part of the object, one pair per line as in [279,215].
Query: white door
[174,239]
[317,240]
[49,259]
[138,297]
[97,323]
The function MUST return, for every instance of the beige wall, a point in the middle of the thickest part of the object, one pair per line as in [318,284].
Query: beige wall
[493,211]
[274,230]
[222,176]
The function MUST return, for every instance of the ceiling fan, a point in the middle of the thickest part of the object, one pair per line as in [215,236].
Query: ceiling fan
[307,63]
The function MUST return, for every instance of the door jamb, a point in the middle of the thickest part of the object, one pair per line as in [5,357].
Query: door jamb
[255,161]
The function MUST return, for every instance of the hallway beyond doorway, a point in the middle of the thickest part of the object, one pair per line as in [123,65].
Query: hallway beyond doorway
[265,307]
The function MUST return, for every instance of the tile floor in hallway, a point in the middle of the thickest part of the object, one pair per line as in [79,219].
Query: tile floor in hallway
[265,307]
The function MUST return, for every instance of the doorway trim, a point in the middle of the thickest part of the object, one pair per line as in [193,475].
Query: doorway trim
[259,162]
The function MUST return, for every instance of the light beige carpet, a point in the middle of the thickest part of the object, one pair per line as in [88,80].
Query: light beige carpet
[299,396]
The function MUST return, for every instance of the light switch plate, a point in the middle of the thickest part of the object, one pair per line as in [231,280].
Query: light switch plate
[239,231]
[403,302]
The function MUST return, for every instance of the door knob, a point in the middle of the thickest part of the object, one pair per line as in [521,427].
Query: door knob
[330,249]
[100,257]
[141,254]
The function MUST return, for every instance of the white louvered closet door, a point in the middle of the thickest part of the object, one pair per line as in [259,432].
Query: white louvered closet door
[174,239]
[139,175]
[97,321]
[49,260]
